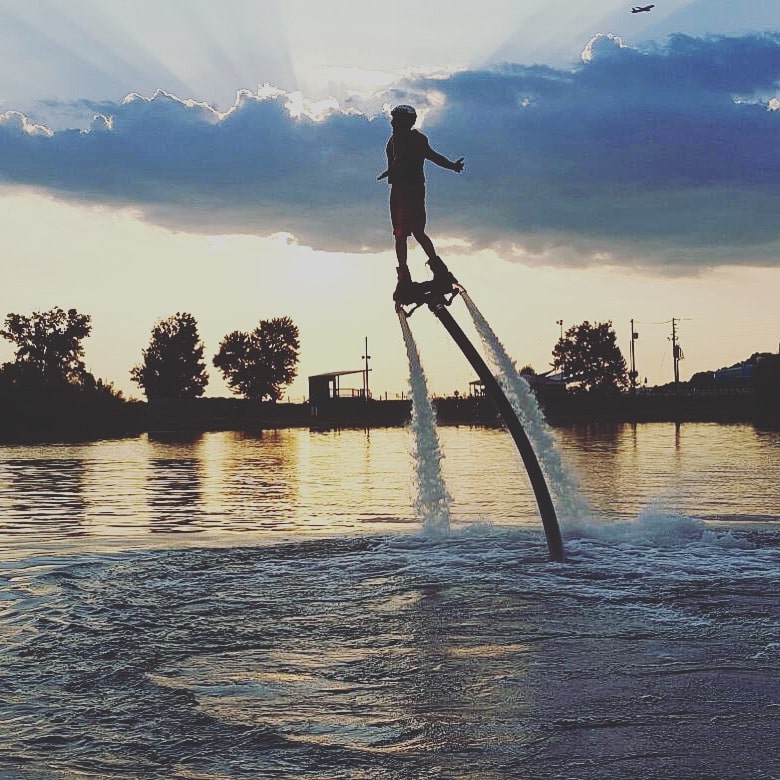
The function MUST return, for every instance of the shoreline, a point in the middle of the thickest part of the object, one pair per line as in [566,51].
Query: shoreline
[34,421]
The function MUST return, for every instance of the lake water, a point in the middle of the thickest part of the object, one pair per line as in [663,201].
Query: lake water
[235,605]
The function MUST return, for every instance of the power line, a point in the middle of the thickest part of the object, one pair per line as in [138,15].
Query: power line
[665,322]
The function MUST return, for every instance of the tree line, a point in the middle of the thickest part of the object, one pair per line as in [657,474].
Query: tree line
[259,364]
[49,357]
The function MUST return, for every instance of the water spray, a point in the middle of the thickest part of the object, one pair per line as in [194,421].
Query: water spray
[571,504]
[432,502]
[438,295]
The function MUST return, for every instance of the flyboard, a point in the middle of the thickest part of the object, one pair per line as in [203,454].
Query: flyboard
[437,294]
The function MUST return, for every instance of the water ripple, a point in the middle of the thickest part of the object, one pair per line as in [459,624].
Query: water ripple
[385,656]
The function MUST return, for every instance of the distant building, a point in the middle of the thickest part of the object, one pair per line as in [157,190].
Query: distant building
[332,405]
[740,375]
[327,387]
[544,382]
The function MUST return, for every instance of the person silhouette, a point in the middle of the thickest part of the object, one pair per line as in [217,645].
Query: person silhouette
[407,150]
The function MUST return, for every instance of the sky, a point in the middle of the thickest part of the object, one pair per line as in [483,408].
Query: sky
[220,158]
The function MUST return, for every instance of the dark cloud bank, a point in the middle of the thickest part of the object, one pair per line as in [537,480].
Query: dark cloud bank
[665,156]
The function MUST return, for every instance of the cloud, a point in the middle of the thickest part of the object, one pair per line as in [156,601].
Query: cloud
[14,121]
[664,156]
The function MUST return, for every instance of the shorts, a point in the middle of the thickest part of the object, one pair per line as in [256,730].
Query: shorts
[407,208]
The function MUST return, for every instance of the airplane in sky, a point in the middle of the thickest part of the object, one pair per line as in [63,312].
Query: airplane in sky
[638,9]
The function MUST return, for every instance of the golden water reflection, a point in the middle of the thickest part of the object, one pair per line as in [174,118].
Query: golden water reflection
[218,485]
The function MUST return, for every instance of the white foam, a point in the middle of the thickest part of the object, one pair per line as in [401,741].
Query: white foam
[659,527]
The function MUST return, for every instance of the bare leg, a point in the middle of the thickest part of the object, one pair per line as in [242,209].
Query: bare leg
[404,279]
[425,243]
[401,251]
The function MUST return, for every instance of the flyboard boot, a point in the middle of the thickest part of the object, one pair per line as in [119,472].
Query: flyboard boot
[443,279]
[404,289]
[442,288]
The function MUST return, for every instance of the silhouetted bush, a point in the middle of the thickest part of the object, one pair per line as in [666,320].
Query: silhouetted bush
[766,388]
[34,408]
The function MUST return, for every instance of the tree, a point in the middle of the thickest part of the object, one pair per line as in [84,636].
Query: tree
[260,363]
[173,365]
[590,358]
[49,346]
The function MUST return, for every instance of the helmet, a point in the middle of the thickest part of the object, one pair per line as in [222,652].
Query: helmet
[404,112]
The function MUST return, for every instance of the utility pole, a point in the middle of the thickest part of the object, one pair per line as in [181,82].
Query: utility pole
[366,358]
[563,363]
[632,373]
[677,354]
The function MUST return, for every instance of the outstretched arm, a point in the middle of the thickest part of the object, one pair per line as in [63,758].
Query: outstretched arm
[386,171]
[443,162]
